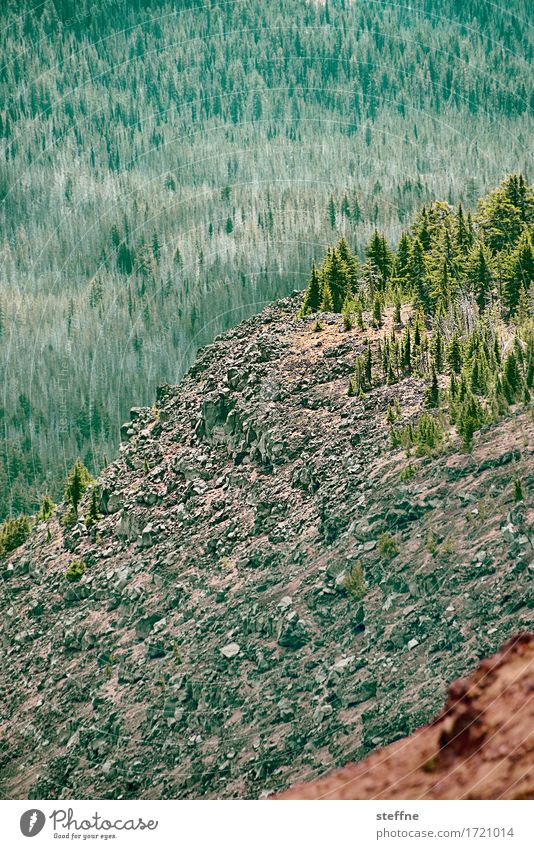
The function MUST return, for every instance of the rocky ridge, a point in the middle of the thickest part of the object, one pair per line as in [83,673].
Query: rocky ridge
[212,647]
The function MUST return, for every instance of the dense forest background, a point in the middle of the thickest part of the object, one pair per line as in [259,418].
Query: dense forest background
[167,168]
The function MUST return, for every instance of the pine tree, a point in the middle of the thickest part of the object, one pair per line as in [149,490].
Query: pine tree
[327,304]
[397,304]
[368,366]
[378,252]
[356,211]
[432,393]
[519,271]
[470,418]
[479,275]
[406,352]
[423,232]
[93,514]
[497,350]
[438,350]
[454,354]
[332,213]
[351,263]
[418,276]
[402,259]
[76,485]
[312,297]
[512,380]
[462,235]
[13,533]
[336,274]
[377,311]
[453,388]
[47,509]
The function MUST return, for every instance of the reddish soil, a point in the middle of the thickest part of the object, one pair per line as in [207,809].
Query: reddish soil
[480,747]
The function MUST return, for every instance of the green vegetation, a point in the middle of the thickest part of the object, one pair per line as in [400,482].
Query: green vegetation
[354,581]
[93,513]
[163,175]
[387,546]
[77,483]
[465,322]
[408,472]
[75,571]
[46,510]
[13,533]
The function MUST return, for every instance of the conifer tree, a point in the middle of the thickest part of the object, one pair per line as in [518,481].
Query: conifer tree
[402,259]
[438,350]
[327,304]
[519,271]
[397,303]
[512,380]
[47,509]
[351,263]
[479,275]
[332,213]
[93,514]
[336,274]
[378,252]
[462,235]
[497,350]
[13,532]
[470,418]
[368,366]
[377,311]
[432,393]
[454,354]
[77,483]
[312,298]
[406,352]
[423,232]
[418,276]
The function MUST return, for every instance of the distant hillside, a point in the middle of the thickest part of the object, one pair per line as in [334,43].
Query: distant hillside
[168,168]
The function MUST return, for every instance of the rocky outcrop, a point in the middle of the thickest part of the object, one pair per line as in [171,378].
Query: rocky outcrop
[480,747]
[216,643]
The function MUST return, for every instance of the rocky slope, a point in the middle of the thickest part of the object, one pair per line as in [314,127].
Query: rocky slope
[212,649]
[480,747]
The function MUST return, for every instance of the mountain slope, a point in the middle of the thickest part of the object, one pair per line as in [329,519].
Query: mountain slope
[480,747]
[214,645]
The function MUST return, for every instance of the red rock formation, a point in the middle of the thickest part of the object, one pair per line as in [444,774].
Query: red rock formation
[480,747]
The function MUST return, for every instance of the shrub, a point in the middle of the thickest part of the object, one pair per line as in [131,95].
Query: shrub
[387,546]
[470,418]
[518,491]
[427,435]
[93,514]
[75,570]
[77,483]
[47,509]
[13,533]
[408,472]
[355,582]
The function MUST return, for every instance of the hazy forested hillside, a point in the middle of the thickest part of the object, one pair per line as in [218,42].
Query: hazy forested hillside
[167,168]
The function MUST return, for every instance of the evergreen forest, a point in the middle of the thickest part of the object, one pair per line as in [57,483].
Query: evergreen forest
[167,168]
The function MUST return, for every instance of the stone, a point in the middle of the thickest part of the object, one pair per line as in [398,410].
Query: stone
[231,650]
